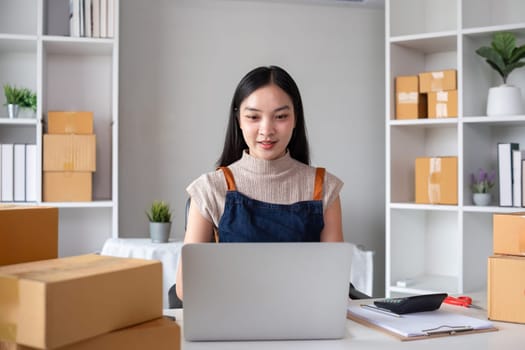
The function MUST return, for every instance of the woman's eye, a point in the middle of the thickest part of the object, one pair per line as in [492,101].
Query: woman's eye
[252,117]
[282,116]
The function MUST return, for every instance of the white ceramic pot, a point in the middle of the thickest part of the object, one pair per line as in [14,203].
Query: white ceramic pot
[481,199]
[504,100]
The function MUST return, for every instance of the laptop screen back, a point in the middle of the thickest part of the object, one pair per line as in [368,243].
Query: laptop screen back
[264,291]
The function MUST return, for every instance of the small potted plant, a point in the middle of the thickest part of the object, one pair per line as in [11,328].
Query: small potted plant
[18,98]
[28,100]
[480,184]
[159,216]
[504,56]
[13,99]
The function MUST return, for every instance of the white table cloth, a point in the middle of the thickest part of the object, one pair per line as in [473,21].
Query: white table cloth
[143,248]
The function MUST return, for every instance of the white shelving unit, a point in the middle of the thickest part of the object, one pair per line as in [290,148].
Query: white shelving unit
[438,247]
[68,73]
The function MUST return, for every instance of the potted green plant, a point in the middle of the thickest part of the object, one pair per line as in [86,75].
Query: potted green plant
[504,56]
[28,100]
[18,98]
[13,99]
[159,216]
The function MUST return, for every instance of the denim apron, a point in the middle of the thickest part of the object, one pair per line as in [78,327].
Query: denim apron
[249,220]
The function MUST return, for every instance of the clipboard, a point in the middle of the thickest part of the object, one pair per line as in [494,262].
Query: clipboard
[421,325]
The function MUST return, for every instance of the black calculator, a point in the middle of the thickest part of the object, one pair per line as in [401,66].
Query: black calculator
[416,303]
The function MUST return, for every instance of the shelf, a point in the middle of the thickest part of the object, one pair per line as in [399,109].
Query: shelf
[486,32]
[18,121]
[511,120]
[65,45]
[94,204]
[429,284]
[438,122]
[428,43]
[414,206]
[492,209]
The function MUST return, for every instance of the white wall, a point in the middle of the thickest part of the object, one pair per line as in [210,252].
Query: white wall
[180,61]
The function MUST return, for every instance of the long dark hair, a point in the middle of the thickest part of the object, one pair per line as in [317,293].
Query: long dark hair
[234,143]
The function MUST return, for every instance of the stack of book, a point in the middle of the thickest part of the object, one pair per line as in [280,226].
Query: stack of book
[511,165]
[18,173]
[91,18]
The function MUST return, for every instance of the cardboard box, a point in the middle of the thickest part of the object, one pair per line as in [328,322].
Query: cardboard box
[437,81]
[53,303]
[410,104]
[443,104]
[509,234]
[67,186]
[506,288]
[69,122]
[69,152]
[159,334]
[436,180]
[27,234]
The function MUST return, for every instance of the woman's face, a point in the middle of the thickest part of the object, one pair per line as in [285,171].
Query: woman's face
[267,120]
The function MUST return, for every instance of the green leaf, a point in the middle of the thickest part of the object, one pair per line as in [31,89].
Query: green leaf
[492,56]
[517,54]
[504,43]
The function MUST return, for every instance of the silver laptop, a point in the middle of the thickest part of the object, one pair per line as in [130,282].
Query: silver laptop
[265,291]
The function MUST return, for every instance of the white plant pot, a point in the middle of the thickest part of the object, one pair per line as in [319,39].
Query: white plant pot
[504,100]
[481,199]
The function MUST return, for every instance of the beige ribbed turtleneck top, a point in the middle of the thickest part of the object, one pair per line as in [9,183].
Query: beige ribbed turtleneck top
[281,181]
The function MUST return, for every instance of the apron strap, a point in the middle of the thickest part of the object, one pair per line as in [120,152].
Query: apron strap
[229,178]
[319,180]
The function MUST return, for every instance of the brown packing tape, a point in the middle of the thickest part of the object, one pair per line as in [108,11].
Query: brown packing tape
[8,305]
[434,180]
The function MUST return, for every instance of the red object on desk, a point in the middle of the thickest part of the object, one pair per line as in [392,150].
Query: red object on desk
[464,301]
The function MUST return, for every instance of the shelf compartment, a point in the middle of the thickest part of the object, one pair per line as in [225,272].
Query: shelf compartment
[17,132]
[18,64]
[479,77]
[477,247]
[18,16]
[425,244]
[84,83]
[483,13]
[422,16]
[411,141]
[480,142]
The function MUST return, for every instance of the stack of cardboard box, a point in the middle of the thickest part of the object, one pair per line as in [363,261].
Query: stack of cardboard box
[84,302]
[506,269]
[428,94]
[69,157]
[27,233]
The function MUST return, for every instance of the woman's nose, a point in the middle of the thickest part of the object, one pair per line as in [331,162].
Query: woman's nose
[266,127]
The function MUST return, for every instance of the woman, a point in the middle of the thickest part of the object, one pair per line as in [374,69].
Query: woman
[264,190]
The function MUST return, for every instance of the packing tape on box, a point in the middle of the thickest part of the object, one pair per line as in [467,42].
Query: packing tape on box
[437,81]
[441,110]
[8,302]
[407,97]
[434,180]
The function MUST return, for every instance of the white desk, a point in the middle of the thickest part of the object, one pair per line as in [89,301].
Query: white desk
[143,248]
[359,337]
